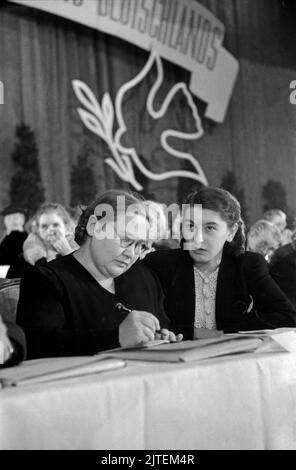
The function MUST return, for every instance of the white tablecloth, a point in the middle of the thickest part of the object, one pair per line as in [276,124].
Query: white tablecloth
[246,401]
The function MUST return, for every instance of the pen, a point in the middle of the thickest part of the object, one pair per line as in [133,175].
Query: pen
[124,309]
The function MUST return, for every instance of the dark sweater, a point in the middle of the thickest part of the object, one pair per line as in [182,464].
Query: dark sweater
[243,281]
[64,311]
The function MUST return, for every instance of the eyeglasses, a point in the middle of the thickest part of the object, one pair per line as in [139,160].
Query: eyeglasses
[139,245]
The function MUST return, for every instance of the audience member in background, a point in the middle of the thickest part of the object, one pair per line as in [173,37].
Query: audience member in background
[12,344]
[11,244]
[279,218]
[69,305]
[264,237]
[283,269]
[52,235]
[211,284]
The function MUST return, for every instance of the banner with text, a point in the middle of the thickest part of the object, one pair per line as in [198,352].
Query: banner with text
[181,31]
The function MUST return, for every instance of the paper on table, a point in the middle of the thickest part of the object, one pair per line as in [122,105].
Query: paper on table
[149,344]
[279,341]
[45,370]
[189,350]
[267,332]
[153,343]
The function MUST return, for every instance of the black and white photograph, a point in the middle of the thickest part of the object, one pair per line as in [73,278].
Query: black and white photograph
[148,229]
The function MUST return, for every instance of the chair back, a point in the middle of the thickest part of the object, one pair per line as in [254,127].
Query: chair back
[9,295]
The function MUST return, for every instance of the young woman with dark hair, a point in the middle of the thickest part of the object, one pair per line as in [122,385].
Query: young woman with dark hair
[211,284]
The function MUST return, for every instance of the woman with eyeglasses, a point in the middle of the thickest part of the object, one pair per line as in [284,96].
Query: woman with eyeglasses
[97,297]
[212,284]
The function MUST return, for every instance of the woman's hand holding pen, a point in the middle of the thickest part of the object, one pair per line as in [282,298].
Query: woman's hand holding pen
[138,327]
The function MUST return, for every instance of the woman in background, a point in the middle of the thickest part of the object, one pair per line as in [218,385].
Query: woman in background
[278,218]
[52,234]
[264,237]
[211,284]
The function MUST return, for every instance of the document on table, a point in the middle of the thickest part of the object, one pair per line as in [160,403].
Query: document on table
[279,339]
[149,344]
[188,350]
[47,370]
[262,333]
[259,341]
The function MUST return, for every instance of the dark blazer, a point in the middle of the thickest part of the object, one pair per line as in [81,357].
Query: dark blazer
[243,284]
[283,270]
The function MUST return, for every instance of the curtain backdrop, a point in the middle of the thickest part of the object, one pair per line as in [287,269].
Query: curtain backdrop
[40,54]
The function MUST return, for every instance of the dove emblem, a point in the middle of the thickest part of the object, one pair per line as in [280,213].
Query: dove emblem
[100,119]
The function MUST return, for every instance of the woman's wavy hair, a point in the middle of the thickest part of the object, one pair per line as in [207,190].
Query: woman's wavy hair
[221,201]
[107,198]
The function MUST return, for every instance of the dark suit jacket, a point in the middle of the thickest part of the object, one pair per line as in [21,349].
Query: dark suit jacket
[242,280]
[283,270]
